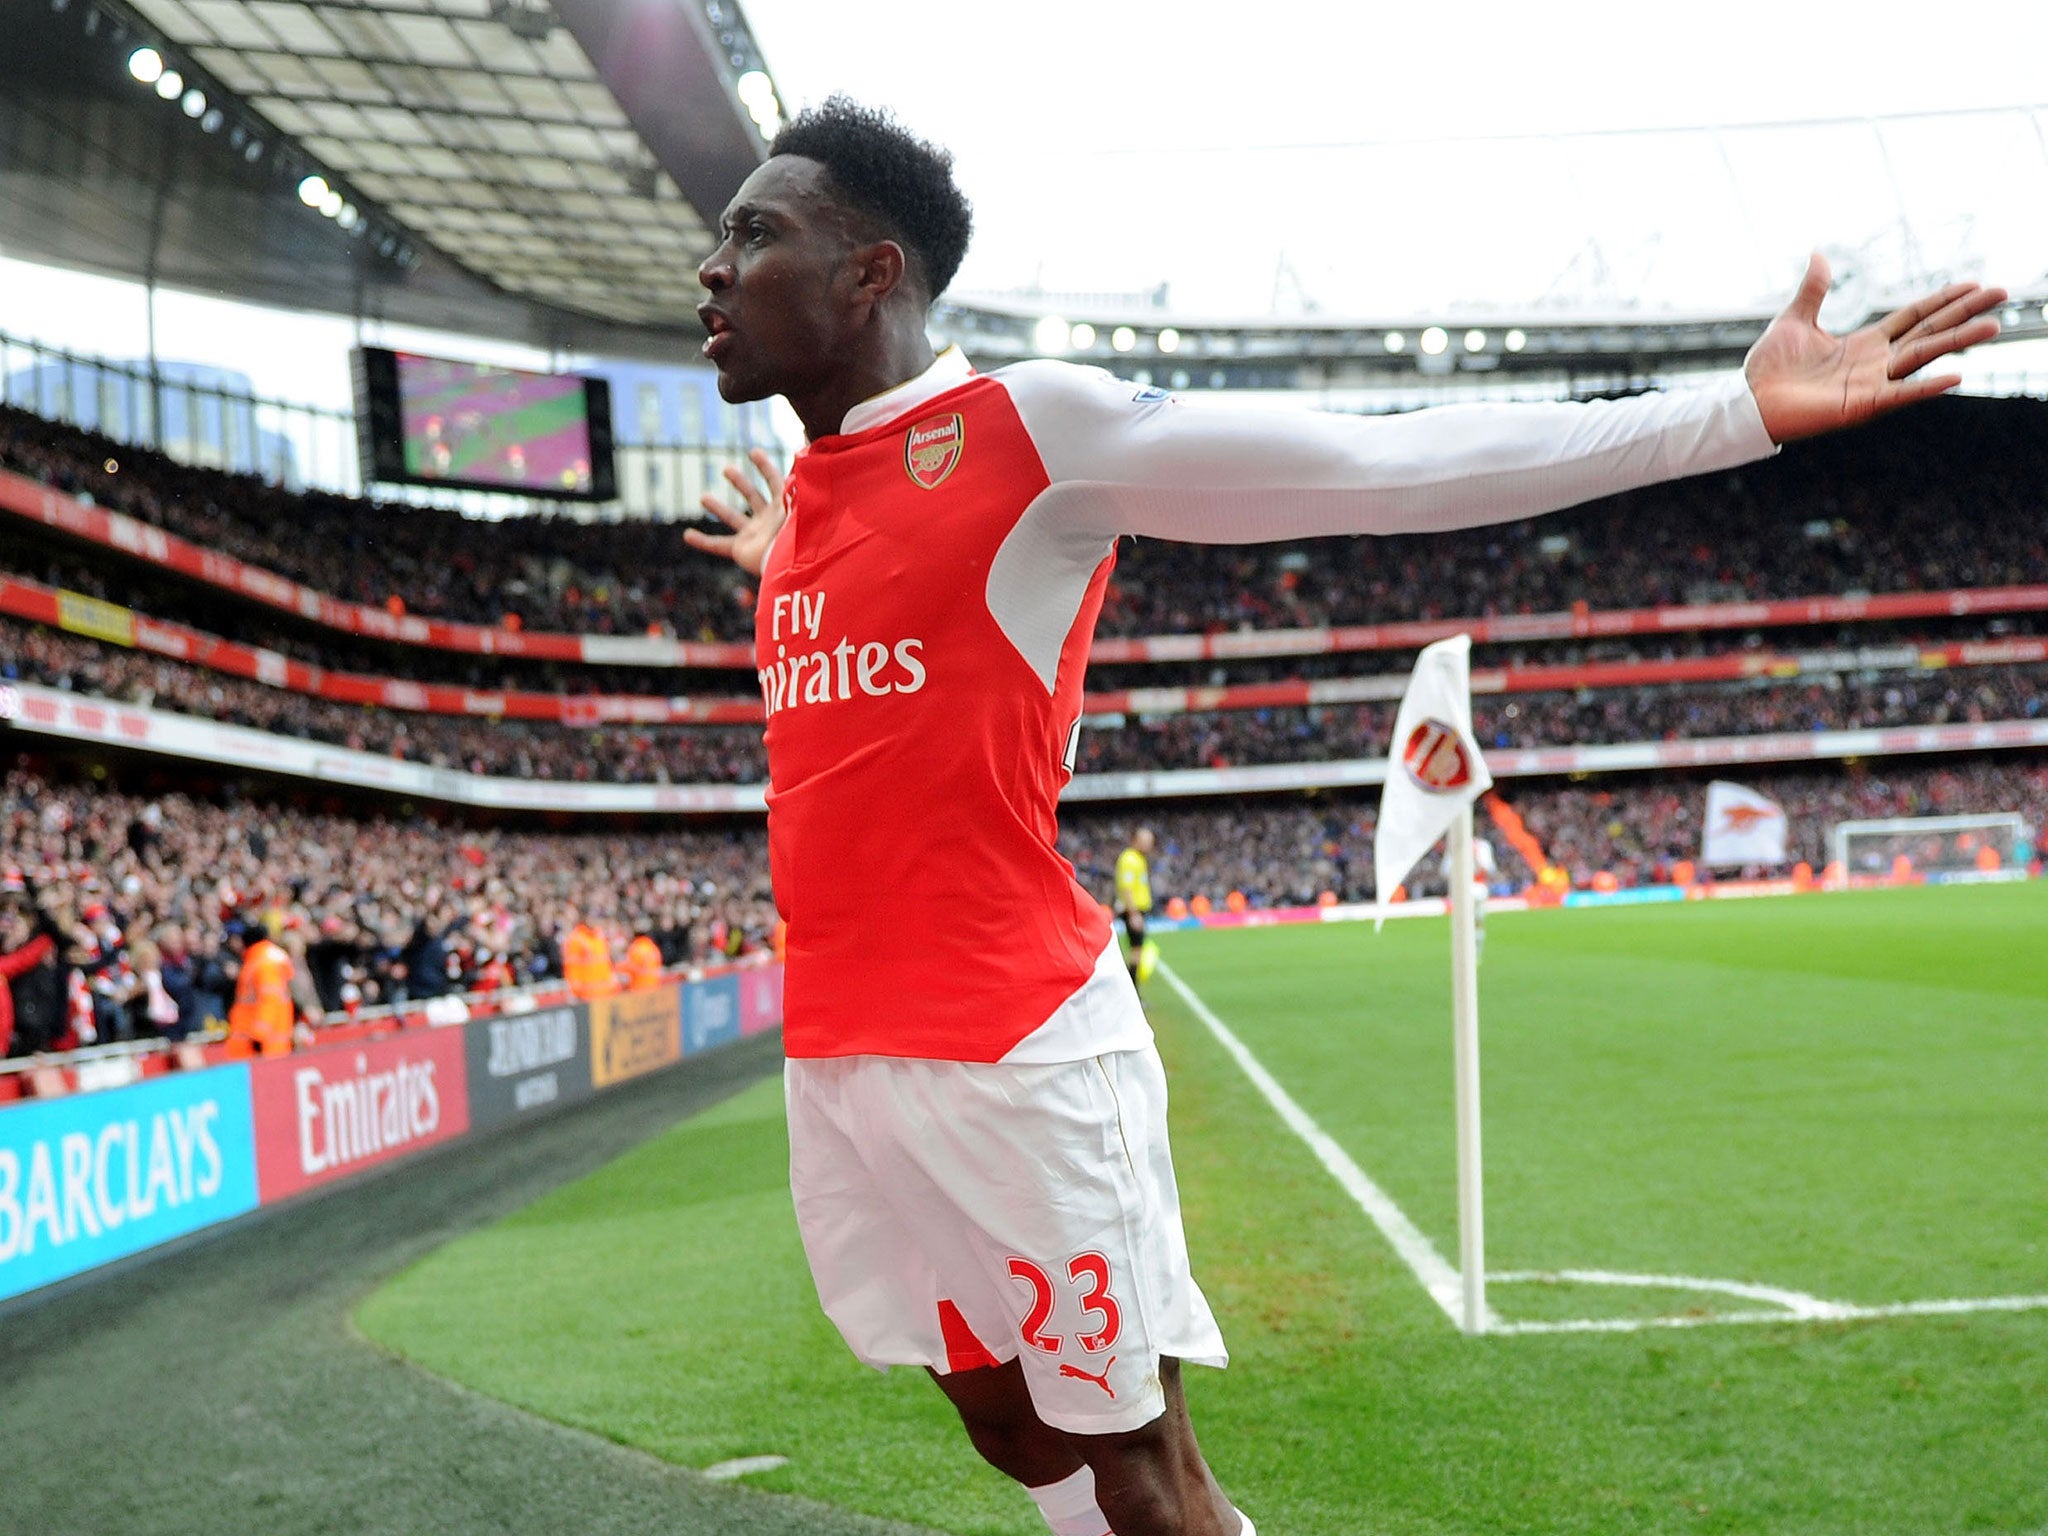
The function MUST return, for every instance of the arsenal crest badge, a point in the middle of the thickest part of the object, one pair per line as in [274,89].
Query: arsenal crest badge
[1436,759]
[932,450]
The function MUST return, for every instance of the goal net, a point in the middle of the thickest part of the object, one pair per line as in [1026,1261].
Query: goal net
[1993,847]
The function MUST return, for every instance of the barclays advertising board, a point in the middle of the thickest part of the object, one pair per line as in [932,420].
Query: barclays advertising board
[91,1179]
[524,1064]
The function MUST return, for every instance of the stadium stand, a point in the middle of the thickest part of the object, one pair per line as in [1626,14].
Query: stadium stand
[682,754]
[1283,852]
[1944,498]
[389,910]
[123,883]
[122,886]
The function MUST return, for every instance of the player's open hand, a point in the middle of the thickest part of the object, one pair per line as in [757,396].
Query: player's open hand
[754,529]
[1807,381]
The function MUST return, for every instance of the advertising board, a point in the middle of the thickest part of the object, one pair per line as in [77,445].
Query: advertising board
[93,1178]
[527,1063]
[711,1013]
[760,999]
[633,1033]
[324,1115]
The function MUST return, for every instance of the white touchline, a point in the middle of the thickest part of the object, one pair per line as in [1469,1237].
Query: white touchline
[1416,1251]
[1440,1280]
[743,1466]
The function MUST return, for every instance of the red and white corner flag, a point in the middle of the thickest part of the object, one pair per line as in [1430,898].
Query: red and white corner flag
[1742,827]
[1434,770]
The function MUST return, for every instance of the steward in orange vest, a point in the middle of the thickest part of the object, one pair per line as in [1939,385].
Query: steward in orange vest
[587,963]
[643,964]
[260,1020]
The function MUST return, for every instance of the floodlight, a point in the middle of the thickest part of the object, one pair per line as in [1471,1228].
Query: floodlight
[755,87]
[1084,335]
[212,121]
[1434,340]
[146,65]
[194,103]
[1169,340]
[1515,340]
[1394,341]
[348,218]
[1051,334]
[1123,338]
[1475,341]
[170,85]
[313,191]
[331,205]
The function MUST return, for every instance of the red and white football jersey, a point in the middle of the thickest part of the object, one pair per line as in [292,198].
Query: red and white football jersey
[923,629]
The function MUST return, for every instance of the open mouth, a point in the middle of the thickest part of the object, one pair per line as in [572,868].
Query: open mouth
[721,337]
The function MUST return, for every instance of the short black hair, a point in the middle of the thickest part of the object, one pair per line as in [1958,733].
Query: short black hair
[883,170]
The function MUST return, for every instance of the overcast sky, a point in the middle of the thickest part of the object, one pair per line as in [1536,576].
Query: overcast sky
[1370,158]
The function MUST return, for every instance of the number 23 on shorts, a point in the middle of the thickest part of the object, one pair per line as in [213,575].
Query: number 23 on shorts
[1088,1277]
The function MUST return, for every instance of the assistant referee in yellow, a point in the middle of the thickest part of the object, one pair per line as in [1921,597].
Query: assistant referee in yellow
[1134,900]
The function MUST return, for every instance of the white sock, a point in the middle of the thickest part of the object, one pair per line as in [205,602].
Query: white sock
[1069,1506]
[1247,1519]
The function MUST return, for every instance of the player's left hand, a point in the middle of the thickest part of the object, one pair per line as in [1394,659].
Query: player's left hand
[1807,381]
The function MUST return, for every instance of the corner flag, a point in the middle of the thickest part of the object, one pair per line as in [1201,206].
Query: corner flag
[1434,770]
[1434,773]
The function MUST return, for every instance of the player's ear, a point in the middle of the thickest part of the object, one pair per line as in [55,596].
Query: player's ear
[880,268]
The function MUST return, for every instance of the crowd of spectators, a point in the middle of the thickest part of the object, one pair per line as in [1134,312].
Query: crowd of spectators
[124,915]
[143,904]
[551,572]
[1288,850]
[724,754]
[65,566]
[636,754]
[1949,495]
[1328,733]
[613,754]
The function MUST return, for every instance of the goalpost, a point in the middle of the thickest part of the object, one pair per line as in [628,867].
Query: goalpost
[1944,848]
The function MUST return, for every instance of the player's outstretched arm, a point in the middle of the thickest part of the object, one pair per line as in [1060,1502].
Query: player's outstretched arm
[1126,460]
[1807,381]
[753,529]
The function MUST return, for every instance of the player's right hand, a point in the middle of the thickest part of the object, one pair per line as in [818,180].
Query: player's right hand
[754,529]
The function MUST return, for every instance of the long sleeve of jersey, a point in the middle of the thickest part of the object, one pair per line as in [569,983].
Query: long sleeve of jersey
[1127,460]
[1119,459]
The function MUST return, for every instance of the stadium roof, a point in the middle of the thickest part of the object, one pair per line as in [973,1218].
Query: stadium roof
[536,171]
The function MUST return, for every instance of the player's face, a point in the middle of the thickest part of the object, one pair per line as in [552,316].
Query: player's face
[784,295]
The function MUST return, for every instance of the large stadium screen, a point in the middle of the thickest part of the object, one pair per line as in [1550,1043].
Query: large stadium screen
[437,421]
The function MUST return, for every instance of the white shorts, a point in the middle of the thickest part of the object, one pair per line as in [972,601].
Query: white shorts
[962,1214]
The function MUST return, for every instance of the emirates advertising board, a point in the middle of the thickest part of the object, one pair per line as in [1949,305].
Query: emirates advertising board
[94,1178]
[324,1115]
[525,1064]
[98,1176]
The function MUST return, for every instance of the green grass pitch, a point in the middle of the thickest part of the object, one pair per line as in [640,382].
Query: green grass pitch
[1845,1096]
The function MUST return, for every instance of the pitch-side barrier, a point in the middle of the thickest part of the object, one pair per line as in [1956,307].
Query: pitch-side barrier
[1628,896]
[94,1177]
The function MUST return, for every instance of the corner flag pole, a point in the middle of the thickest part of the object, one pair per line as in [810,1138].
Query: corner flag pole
[1465,1051]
